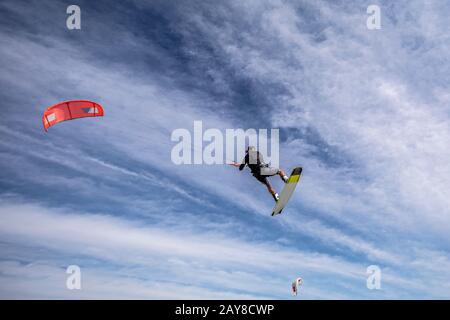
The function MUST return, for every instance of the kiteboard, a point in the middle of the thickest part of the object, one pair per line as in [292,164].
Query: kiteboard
[288,190]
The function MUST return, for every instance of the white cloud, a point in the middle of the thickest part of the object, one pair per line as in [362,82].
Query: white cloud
[215,260]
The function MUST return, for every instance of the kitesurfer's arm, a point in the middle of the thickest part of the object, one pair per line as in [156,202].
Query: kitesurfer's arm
[242,165]
[244,162]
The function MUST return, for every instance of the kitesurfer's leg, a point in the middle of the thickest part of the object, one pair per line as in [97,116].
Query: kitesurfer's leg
[283,176]
[271,171]
[270,189]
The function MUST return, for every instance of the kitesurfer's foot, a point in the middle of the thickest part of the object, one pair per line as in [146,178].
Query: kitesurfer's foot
[275,197]
[283,176]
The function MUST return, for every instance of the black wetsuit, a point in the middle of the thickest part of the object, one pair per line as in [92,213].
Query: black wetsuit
[255,162]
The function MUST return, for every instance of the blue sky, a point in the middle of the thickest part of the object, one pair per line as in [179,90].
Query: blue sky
[366,113]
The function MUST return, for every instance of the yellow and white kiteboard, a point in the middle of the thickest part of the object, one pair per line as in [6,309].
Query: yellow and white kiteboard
[288,190]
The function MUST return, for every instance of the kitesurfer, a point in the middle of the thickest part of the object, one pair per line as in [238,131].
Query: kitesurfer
[255,161]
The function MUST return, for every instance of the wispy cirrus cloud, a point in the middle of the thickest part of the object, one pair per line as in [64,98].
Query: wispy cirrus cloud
[224,262]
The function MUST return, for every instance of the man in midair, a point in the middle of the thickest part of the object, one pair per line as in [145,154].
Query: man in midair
[255,161]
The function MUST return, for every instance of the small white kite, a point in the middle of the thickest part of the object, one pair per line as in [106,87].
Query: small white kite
[297,282]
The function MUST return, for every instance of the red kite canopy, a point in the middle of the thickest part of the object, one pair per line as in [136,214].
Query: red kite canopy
[69,110]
